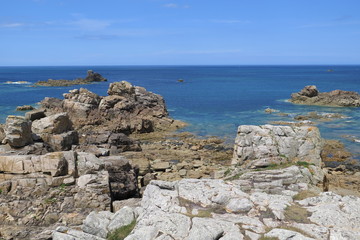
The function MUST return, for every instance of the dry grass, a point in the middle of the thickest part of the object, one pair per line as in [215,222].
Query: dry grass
[297,214]
[305,194]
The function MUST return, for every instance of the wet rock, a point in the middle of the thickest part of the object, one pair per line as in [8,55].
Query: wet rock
[319,116]
[17,132]
[25,108]
[311,96]
[261,146]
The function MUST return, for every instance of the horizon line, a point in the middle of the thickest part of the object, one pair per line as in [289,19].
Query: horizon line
[182,65]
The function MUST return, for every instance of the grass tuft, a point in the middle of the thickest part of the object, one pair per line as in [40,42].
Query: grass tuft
[122,232]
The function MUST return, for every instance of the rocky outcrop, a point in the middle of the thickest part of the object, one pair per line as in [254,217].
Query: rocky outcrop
[311,96]
[127,109]
[56,131]
[59,187]
[17,132]
[214,209]
[90,78]
[261,146]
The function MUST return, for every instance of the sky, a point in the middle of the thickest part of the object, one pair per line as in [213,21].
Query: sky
[179,32]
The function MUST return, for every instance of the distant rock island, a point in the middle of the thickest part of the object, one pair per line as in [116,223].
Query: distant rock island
[310,95]
[90,78]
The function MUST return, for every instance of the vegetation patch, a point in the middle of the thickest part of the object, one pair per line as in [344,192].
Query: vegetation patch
[305,194]
[50,200]
[274,166]
[284,165]
[297,214]
[267,214]
[122,233]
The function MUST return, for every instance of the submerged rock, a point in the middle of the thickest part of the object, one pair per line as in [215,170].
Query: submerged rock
[311,96]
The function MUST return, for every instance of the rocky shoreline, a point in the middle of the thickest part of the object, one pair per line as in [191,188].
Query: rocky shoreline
[310,95]
[77,167]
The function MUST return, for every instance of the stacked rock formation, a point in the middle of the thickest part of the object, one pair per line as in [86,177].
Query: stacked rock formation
[127,109]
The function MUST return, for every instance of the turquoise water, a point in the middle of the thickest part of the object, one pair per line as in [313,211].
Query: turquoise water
[213,99]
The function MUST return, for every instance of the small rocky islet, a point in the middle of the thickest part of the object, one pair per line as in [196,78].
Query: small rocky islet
[91,77]
[102,167]
[310,95]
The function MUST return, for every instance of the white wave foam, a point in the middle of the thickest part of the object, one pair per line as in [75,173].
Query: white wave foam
[17,82]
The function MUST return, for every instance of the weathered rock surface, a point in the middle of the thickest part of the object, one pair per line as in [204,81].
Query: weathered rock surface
[203,209]
[127,109]
[311,96]
[281,181]
[261,146]
[17,132]
[56,131]
[35,114]
[90,78]
[59,188]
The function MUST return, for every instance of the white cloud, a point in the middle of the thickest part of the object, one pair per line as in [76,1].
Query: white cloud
[91,24]
[330,24]
[12,25]
[174,5]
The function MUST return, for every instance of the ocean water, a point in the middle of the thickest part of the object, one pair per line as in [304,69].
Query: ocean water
[214,100]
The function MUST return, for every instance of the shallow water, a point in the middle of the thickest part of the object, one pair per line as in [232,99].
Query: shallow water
[213,99]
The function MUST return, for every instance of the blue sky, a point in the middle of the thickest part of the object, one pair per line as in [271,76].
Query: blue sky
[179,32]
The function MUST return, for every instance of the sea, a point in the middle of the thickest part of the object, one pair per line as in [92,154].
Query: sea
[213,100]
